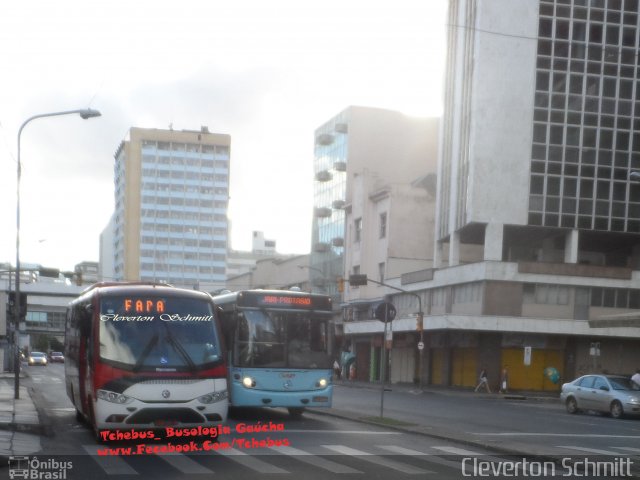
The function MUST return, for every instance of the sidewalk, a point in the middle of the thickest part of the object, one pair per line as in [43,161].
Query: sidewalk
[20,426]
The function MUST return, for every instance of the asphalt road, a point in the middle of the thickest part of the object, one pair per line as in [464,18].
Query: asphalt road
[317,447]
[528,426]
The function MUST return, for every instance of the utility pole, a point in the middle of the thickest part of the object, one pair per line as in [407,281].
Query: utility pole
[361,279]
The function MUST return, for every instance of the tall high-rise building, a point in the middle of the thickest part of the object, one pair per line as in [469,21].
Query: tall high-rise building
[540,131]
[171,193]
[388,143]
[538,213]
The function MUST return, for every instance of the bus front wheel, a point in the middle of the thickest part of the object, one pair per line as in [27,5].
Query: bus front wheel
[296,412]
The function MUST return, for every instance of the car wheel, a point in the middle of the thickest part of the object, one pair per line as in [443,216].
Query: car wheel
[616,409]
[572,405]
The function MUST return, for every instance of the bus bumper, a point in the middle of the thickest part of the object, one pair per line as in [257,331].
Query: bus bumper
[252,397]
[139,414]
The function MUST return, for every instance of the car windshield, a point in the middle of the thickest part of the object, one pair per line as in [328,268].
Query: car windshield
[158,334]
[56,354]
[37,354]
[281,340]
[620,383]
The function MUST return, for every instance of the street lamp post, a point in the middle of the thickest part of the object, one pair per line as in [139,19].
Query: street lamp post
[85,114]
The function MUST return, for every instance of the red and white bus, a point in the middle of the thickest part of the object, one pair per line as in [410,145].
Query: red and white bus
[145,356]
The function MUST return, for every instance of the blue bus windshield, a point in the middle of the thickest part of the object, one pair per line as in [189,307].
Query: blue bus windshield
[281,340]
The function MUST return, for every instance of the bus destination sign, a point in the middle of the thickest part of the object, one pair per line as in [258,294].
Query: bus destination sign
[281,300]
[142,305]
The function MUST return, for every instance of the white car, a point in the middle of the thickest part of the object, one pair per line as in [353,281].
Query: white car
[37,358]
[614,394]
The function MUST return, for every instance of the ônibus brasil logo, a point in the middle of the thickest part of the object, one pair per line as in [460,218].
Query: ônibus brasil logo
[36,469]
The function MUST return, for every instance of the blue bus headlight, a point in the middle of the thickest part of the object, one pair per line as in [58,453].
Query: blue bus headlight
[114,397]
[248,382]
[213,397]
[321,383]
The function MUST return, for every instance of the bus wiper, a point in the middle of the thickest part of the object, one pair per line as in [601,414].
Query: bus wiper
[145,353]
[180,349]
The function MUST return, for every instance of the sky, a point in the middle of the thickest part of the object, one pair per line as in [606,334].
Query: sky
[268,73]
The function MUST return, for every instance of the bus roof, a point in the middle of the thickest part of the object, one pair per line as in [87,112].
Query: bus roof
[130,288]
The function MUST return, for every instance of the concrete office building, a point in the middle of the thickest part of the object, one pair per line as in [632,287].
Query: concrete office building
[171,193]
[539,138]
[391,144]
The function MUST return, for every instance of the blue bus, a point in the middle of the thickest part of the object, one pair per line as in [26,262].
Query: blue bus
[278,348]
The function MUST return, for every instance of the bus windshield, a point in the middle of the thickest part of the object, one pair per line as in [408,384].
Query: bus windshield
[281,340]
[158,333]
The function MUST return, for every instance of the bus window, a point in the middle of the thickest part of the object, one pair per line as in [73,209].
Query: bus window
[307,346]
[260,340]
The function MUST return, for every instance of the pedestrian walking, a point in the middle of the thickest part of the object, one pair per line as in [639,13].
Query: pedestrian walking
[504,380]
[484,380]
[635,380]
[337,370]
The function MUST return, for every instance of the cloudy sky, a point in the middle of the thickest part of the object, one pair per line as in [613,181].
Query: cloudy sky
[268,73]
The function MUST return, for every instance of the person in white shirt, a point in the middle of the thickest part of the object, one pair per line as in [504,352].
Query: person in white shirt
[635,380]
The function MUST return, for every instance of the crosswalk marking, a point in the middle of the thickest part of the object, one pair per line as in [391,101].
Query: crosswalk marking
[456,451]
[40,379]
[370,457]
[117,465]
[112,465]
[430,457]
[183,463]
[590,450]
[402,450]
[316,461]
[629,449]
[250,462]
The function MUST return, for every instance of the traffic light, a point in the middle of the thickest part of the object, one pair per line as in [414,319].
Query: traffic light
[12,305]
[340,284]
[420,322]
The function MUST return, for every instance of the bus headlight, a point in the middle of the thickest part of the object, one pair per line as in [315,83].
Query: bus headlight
[248,382]
[114,397]
[213,397]
[321,383]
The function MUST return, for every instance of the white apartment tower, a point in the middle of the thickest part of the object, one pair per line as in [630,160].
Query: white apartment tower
[172,193]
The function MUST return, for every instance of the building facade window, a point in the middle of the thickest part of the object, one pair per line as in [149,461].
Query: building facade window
[383,224]
[357,229]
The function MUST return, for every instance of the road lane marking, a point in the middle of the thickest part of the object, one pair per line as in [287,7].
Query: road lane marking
[372,458]
[542,434]
[456,451]
[590,450]
[183,463]
[315,460]
[402,450]
[250,462]
[429,457]
[350,432]
[112,465]
[629,449]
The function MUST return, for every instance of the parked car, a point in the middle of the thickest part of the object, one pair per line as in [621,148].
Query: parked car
[614,394]
[56,357]
[37,358]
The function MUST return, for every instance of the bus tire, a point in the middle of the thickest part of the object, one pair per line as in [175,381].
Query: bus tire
[295,412]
